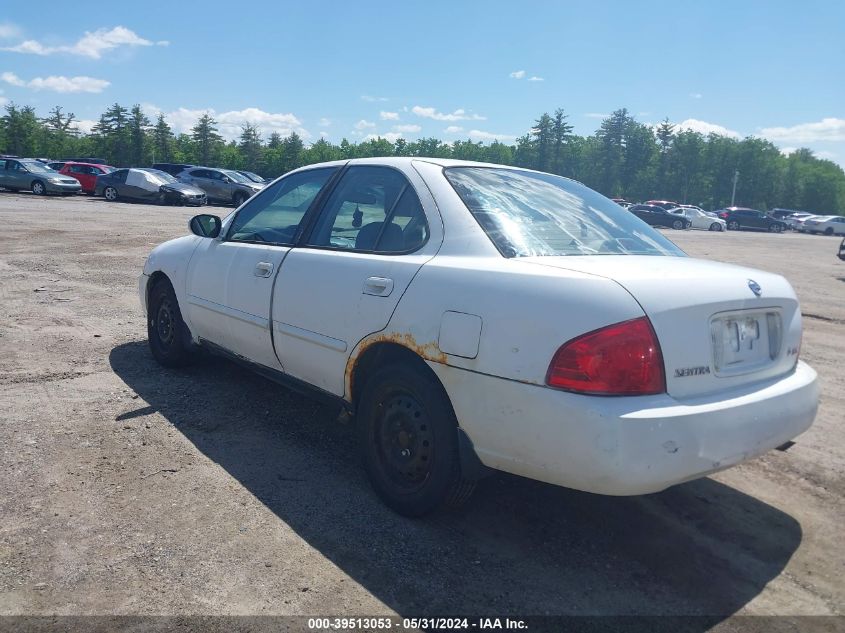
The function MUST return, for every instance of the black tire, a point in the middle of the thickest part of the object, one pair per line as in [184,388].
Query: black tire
[828,230]
[678,225]
[110,194]
[167,333]
[239,198]
[775,228]
[733,225]
[715,226]
[39,188]
[408,439]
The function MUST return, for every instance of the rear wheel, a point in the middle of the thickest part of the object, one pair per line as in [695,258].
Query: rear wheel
[733,225]
[166,331]
[38,188]
[775,228]
[110,194]
[408,440]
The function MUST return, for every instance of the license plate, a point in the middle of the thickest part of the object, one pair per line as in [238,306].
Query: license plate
[744,342]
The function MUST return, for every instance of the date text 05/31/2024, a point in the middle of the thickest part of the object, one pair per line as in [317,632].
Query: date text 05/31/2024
[386,623]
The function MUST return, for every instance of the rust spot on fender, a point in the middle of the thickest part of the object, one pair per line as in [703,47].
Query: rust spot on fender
[428,351]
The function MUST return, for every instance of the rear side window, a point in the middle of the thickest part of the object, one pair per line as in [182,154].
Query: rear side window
[531,214]
[372,209]
[276,212]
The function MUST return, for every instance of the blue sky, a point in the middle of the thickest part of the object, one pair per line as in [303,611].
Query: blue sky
[452,70]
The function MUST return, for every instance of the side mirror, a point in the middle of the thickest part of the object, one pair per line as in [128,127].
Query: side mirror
[205,225]
[842,250]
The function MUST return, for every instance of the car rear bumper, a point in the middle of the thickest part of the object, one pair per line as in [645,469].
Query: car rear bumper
[626,445]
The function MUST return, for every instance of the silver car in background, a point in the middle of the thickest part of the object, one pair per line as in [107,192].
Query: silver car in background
[17,174]
[221,185]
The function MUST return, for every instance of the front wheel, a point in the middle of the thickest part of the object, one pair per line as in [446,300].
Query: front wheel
[775,228]
[166,331]
[238,199]
[715,226]
[38,188]
[678,225]
[110,194]
[408,440]
[828,230]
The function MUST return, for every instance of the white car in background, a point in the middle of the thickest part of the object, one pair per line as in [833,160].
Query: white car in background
[827,224]
[468,315]
[700,219]
[796,220]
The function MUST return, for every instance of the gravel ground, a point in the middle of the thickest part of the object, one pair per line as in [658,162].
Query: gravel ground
[130,489]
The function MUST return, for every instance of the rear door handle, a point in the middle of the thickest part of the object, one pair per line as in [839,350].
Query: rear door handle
[378,286]
[263,269]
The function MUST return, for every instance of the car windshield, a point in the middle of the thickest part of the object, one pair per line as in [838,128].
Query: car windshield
[253,177]
[37,167]
[529,214]
[161,174]
[237,177]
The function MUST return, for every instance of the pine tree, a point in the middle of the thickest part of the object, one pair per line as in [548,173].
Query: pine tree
[162,140]
[250,147]
[207,140]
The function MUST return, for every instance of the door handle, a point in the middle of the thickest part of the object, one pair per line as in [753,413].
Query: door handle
[378,286]
[263,269]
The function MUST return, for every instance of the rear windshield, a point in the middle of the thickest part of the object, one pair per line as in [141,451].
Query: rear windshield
[532,214]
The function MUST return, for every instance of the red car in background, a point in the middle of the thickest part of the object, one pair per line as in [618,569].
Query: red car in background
[86,174]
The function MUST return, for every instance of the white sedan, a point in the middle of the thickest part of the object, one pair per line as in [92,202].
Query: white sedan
[700,219]
[472,317]
[827,224]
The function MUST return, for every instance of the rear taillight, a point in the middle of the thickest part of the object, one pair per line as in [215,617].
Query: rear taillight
[724,216]
[623,359]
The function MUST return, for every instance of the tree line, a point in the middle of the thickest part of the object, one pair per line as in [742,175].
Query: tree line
[623,158]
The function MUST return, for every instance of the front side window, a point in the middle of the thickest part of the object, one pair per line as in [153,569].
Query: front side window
[533,214]
[372,209]
[275,213]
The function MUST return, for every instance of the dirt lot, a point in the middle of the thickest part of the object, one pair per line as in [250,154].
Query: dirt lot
[129,489]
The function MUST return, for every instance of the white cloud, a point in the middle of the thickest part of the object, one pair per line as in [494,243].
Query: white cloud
[596,115]
[363,124]
[12,78]
[389,116]
[535,78]
[9,31]
[703,127]
[412,128]
[517,74]
[84,125]
[324,122]
[58,83]
[3,101]
[92,44]
[457,115]
[828,129]
[695,95]
[827,155]
[229,123]
[372,99]
[480,135]
[453,129]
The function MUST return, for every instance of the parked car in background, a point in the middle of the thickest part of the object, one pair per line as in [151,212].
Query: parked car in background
[697,208]
[18,174]
[827,224]
[221,185]
[87,161]
[253,177]
[150,185]
[174,169]
[664,204]
[86,174]
[424,296]
[782,214]
[796,220]
[699,219]
[739,218]
[56,165]
[658,216]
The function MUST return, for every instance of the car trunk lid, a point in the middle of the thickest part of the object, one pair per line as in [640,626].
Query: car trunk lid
[715,331]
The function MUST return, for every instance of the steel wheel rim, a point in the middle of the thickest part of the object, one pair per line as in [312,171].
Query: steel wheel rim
[404,440]
[165,323]
[110,194]
[38,188]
